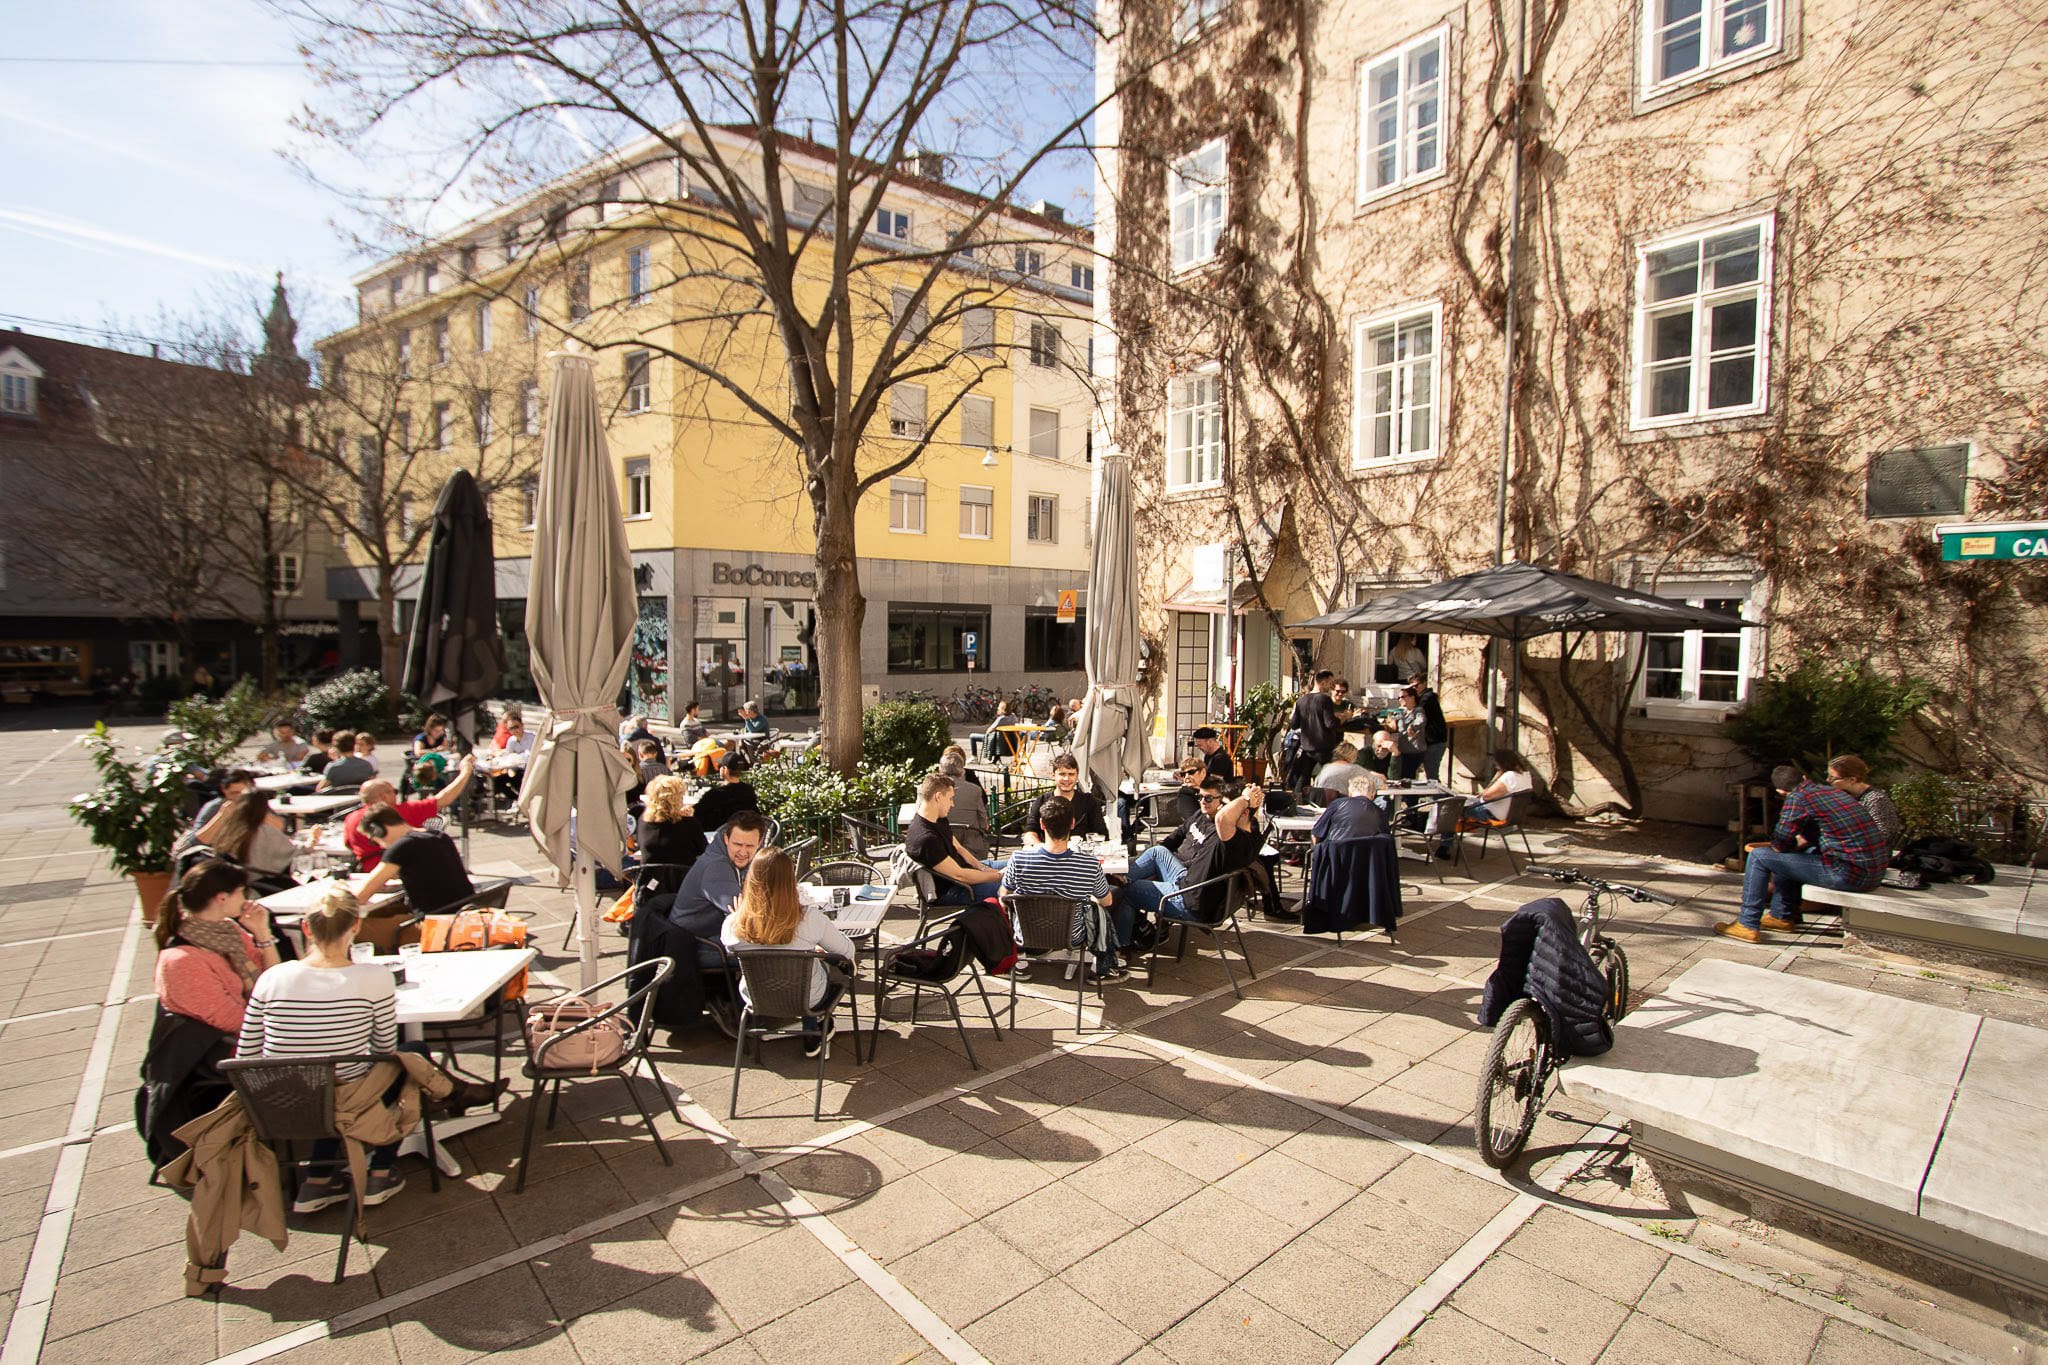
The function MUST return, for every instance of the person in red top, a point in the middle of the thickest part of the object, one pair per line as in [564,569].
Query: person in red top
[378,792]
[213,943]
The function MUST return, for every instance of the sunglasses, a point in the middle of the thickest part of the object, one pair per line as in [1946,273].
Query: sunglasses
[1212,800]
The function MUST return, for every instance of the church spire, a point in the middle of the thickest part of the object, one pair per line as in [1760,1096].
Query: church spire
[280,358]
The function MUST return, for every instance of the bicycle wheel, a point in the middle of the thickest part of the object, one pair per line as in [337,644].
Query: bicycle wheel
[1613,964]
[1511,1084]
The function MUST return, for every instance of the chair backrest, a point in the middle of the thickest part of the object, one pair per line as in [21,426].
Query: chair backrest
[1517,807]
[778,980]
[1215,900]
[287,1099]
[651,877]
[845,872]
[800,853]
[1445,814]
[947,947]
[635,1012]
[861,833]
[1045,924]
[773,834]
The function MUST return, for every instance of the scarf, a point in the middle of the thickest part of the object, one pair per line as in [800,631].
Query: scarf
[226,938]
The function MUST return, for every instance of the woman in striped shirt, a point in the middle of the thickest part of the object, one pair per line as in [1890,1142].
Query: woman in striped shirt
[324,1005]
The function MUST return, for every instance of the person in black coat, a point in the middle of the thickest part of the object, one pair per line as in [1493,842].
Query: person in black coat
[1317,728]
[732,795]
[669,830]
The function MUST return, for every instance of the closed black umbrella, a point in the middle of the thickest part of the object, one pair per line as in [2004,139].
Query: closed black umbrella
[456,655]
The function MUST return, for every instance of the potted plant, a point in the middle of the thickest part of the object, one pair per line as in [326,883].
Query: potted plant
[1261,713]
[134,814]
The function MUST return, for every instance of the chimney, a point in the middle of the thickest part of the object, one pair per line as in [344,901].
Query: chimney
[1045,208]
[929,165]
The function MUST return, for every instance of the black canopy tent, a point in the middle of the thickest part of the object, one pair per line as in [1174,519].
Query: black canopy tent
[1517,602]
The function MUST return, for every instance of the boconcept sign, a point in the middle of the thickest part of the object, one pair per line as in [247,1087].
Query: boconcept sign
[754,576]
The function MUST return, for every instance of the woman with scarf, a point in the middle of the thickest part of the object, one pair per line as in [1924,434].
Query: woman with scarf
[214,942]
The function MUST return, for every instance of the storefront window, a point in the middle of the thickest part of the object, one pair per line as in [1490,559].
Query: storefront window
[1052,646]
[937,638]
[720,655]
[517,683]
[647,677]
[790,665]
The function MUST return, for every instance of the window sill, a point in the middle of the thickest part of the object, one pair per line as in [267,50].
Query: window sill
[1193,489]
[1400,193]
[1680,427]
[643,516]
[903,531]
[1649,99]
[1395,464]
[965,536]
[1706,713]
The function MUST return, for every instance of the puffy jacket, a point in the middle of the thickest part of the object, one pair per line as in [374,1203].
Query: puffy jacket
[1540,958]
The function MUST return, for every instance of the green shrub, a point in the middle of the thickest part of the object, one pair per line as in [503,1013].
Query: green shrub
[355,700]
[912,732]
[807,794]
[1808,713]
[137,810]
[217,728]
[1933,803]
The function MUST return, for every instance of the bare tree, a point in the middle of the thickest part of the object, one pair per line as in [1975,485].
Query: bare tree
[787,293]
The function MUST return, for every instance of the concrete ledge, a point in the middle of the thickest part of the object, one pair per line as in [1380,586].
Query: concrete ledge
[1888,1117]
[1991,925]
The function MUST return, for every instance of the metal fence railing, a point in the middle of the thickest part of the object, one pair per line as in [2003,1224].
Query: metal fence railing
[2004,830]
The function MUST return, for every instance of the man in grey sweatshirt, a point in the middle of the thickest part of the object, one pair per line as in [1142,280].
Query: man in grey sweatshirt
[715,879]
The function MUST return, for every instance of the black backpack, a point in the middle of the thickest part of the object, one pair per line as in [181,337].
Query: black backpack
[1936,858]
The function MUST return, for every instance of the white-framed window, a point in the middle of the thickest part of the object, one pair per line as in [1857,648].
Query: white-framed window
[1045,345]
[444,425]
[978,330]
[394,287]
[1401,115]
[529,501]
[529,311]
[977,512]
[1703,306]
[1198,200]
[466,263]
[1042,519]
[406,524]
[637,280]
[1688,40]
[442,343]
[1397,359]
[1030,262]
[810,201]
[1082,277]
[906,506]
[893,223]
[1689,671]
[1196,17]
[906,411]
[18,375]
[404,348]
[529,407]
[1045,432]
[579,291]
[508,244]
[639,381]
[287,573]
[480,412]
[639,489]
[430,277]
[1194,430]
[482,326]
[978,421]
[404,430]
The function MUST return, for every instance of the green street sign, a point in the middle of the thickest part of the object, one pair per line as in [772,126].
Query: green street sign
[1994,540]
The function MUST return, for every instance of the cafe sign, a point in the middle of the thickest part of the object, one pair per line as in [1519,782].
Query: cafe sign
[1965,541]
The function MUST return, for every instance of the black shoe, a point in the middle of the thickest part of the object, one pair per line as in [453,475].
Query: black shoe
[1280,916]
[468,1095]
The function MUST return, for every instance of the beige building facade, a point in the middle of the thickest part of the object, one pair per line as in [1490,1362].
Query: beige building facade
[1777,313]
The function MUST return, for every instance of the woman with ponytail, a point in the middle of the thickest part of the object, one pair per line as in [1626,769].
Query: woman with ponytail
[214,942]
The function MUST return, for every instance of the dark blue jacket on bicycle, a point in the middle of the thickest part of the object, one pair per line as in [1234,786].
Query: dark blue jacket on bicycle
[1541,958]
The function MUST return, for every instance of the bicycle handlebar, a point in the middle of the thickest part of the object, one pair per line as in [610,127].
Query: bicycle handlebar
[1571,876]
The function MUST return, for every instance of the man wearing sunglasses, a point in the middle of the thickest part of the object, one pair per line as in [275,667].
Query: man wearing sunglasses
[1204,847]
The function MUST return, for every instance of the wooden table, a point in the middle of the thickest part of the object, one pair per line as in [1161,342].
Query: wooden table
[448,987]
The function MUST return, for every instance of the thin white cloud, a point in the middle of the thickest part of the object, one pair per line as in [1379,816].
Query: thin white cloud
[42,224]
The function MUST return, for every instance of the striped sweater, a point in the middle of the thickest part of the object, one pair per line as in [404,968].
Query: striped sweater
[300,1010]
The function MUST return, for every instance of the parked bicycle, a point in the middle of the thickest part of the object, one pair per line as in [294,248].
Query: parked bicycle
[1523,1059]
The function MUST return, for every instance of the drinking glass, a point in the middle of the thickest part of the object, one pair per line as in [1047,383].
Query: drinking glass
[363,952]
[408,958]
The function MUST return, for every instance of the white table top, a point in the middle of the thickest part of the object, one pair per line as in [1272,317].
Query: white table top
[317,803]
[858,918]
[1421,787]
[297,900]
[450,986]
[1295,824]
[284,782]
[495,761]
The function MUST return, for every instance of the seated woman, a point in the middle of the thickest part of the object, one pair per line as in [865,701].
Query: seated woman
[1849,773]
[669,831]
[432,738]
[969,818]
[249,833]
[324,1006]
[770,914]
[1492,802]
[213,943]
[1337,774]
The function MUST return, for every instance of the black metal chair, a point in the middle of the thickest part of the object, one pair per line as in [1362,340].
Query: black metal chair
[843,872]
[776,995]
[800,853]
[1443,820]
[870,841]
[1509,821]
[291,1100]
[1231,889]
[1006,823]
[934,960]
[634,1017]
[1045,927]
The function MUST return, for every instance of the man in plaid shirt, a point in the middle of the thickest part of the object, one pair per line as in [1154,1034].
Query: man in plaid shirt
[1852,854]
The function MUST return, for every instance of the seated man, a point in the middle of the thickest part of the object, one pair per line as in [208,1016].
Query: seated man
[507,779]
[1356,816]
[714,884]
[1086,807]
[233,782]
[426,862]
[969,816]
[637,733]
[752,722]
[379,792]
[1215,758]
[962,878]
[347,771]
[1222,838]
[732,795]
[694,728]
[1050,868]
[321,752]
[285,746]
[1851,854]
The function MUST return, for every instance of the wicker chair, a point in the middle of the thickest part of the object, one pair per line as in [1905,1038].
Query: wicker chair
[1044,927]
[776,997]
[844,872]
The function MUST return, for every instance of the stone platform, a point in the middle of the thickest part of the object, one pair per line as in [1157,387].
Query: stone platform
[1999,925]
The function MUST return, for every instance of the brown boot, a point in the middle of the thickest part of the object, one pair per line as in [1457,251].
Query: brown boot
[467,1095]
[1780,926]
[1739,931]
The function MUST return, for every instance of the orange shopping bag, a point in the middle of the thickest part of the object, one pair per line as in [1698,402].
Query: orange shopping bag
[471,930]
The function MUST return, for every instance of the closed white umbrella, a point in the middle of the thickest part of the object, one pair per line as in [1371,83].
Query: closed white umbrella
[580,614]
[1112,723]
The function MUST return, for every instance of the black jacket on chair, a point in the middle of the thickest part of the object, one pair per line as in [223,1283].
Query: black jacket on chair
[180,1080]
[1353,882]
[1540,957]
[679,1001]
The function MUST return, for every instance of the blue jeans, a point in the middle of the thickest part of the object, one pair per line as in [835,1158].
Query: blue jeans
[1778,877]
[1153,876]
[953,893]
[1433,759]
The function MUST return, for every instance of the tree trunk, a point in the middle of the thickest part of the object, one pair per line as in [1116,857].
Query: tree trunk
[390,644]
[841,611]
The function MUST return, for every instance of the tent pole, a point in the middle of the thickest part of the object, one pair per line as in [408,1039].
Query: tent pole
[585,873]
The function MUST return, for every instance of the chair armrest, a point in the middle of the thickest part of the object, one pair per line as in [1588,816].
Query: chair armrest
[1181,891]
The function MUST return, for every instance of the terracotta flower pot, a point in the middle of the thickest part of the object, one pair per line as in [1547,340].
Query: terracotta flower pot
[151,888]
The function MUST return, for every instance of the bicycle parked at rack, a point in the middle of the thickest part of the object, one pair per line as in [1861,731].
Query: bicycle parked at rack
[1523,1059]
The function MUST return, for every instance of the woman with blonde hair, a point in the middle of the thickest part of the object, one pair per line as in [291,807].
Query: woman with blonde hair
[770,914]
[669,831]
